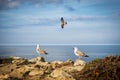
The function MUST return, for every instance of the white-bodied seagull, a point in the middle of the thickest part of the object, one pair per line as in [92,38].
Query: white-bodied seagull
[79,53]
[39,50]
[62,22]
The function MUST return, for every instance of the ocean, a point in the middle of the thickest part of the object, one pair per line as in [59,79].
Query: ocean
[60,52]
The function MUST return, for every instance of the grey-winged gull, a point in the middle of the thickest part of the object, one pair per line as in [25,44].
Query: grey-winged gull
[62,22]
[79,53]
[39,50]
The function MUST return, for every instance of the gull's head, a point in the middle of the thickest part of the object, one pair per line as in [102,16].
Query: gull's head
[37,46]
[75,48]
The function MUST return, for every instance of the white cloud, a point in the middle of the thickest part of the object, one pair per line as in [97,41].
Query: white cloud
[13,4]
[9,4]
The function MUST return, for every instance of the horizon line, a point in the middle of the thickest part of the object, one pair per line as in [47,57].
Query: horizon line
[51,44]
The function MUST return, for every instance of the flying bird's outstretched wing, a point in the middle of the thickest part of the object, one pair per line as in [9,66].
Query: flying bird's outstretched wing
[62,22]
[62,26]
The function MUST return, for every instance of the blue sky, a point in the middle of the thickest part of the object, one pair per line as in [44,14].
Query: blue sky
[38,21]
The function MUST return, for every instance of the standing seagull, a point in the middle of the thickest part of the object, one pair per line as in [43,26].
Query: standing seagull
[62,22]
[79,53]
[39,50]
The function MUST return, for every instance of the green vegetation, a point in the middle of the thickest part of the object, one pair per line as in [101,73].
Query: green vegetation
[102,69]
[5,60]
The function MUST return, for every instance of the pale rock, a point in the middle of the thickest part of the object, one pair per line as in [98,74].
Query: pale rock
[57,62]
[14,57]
[20,61]
[19,72]
[45,66]
[36,72]
[79,68]
[29,67]
[70,69]
[69,60]
[68,63]
[4,77]
[79,62]
[37,59]
[42,63]
[60,74]
[8,68]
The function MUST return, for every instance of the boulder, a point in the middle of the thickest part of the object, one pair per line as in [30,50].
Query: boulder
[79,62]
[44,66]
[14,57]
[37,59]
[7,68]
[20,72]
[70,69]
[4,77]
[68,63]
[36,72]
[59,74]
[20,61]
[56,64]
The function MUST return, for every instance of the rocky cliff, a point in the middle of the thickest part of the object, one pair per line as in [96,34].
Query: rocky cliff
[16,68]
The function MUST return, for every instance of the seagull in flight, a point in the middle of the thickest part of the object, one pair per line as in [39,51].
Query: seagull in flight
[62,22]
[79,53]
[39,50]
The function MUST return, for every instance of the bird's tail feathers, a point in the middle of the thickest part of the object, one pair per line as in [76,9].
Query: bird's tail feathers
[65,22]
[46,53]
[86,56]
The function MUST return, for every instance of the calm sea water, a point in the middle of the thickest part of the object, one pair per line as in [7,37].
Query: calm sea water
[61,52]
